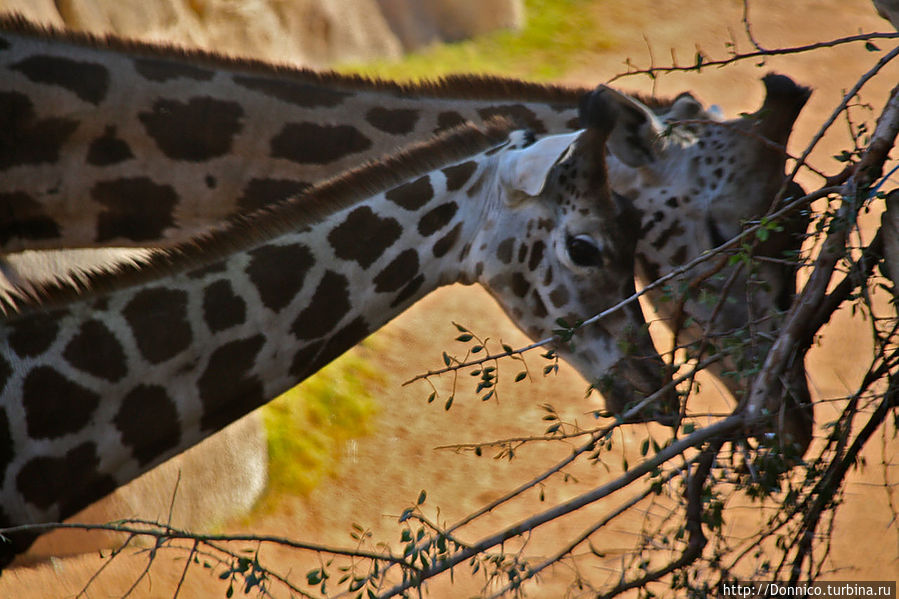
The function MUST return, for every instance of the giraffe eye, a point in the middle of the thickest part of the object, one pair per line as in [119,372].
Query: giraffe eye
[583,251]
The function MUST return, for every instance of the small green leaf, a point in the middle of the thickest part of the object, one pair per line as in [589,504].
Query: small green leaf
[422,496]
[448,404]
[644,447]
[689,427]
[465,338]
[460,328]
[446,359]
[521,376]
[870,47]
[508,348]
[432,397]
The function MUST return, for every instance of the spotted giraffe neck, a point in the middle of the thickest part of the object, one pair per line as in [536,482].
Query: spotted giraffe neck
[118,142]
[210,330]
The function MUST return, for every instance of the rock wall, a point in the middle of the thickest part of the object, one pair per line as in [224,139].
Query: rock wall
[307,32]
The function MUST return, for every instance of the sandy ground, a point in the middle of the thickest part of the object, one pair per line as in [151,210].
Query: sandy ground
[383,474]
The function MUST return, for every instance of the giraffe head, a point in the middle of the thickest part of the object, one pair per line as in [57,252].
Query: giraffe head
[556,244]
[705,179]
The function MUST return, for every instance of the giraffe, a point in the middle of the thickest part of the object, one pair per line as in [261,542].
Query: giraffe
[149,176]
[106,378]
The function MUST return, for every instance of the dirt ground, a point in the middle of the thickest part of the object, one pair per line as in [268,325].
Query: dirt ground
[383,474]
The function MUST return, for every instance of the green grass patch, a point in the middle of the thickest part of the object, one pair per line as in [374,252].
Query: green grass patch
[308,427]
[555,35]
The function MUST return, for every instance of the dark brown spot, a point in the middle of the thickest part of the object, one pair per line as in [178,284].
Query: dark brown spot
[199,130]
[54,405]
[650,269]
[536,255]
[674,230]
[108,149]
[278,272]
[311,358]
[522,253]
[408,291]
[24,218]
[397,121]
[160,71]
[539,307]
[457,175]
[304,361]
[137,208]
[4,44]
[446,243]
[33,335]
[399,272]
[71,481]
[89,81]
[95,350]
[309,143]
[519,114]
[520,285]
[329,304]
[679,256]
[559,296]
[504,250]
[226,388]
[448,120]
[671,202]
[210,181]
[363,236]
[148,422]
[548,277]
[158,319]
[412,196]
[26,140]
[7,449]
[293,92]
[437,218]
[260,193]
[222,309]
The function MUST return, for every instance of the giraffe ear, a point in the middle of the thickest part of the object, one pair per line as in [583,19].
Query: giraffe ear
[523,172]
[635,138]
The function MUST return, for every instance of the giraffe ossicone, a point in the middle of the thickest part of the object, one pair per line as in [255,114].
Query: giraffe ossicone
[207,331]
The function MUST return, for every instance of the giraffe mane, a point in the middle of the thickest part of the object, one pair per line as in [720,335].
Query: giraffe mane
[121,267]
[461,86]
[468,86]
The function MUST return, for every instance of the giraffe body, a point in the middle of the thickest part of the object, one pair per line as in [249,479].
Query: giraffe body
[100,385]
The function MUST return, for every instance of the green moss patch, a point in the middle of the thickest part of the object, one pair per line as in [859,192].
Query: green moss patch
[556,34]
[308,427]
